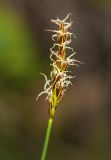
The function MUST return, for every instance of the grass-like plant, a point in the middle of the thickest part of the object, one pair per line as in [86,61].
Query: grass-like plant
[62,57]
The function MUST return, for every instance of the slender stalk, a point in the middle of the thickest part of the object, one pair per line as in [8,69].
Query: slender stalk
[60,78]
[46,141]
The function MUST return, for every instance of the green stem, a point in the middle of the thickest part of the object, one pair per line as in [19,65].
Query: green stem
[46,141]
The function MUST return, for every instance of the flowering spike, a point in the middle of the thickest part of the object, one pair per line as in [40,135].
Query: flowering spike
[62,57]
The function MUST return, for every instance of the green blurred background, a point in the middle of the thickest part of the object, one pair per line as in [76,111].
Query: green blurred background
[82,129]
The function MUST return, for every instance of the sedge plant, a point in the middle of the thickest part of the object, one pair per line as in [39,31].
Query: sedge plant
[62,57]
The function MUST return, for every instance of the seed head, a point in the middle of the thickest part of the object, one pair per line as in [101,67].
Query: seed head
[62,57]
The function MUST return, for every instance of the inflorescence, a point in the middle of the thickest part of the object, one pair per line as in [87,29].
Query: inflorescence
[62,56]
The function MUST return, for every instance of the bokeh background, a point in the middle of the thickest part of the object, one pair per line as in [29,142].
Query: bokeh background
[82,125]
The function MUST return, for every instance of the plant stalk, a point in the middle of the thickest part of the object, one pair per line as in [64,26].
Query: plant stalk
[47,137]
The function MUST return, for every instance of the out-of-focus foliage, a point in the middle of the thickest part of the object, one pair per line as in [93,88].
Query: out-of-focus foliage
[18,62]
[81,128]
[102,3]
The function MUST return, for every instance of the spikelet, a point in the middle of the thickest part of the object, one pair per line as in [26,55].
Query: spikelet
[62,56]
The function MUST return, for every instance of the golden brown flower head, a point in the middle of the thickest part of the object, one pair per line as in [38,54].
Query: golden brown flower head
[62,56]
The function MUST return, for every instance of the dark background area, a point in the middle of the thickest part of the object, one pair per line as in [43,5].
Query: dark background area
[82,125]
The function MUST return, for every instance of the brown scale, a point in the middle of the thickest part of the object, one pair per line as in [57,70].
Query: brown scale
[58,90]
[55,81]
[61,40]
[61,51]
[62,67]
